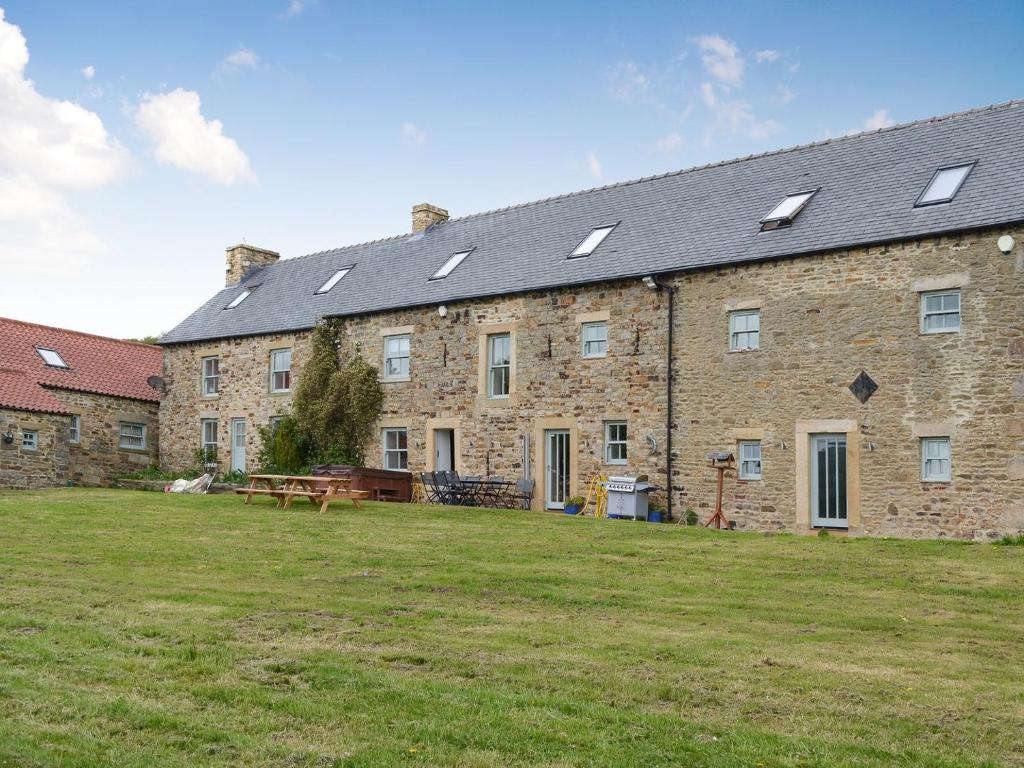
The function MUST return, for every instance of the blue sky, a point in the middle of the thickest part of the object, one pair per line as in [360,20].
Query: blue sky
[119,191]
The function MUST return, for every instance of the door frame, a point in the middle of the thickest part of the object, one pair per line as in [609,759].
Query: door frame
[451,423]
[450,437]
[245,446]
[550,437]
[538,448]
[804,431]
[837,523]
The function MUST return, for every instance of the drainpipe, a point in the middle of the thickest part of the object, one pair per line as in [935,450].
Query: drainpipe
[652,283]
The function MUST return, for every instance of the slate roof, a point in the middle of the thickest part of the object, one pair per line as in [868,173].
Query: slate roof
[685,220]
[96,364]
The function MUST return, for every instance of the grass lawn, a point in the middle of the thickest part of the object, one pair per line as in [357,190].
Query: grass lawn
[150,630]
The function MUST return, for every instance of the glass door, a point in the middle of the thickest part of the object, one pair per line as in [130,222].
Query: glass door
[238,445]
[828,481]
[556,468]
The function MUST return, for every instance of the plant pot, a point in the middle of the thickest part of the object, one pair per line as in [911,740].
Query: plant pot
[572,509]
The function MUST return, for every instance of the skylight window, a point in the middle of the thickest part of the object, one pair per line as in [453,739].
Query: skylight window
[783,214]
[240,298]
[591,241]
[334,280]
[944,185]
[51,358]
[449,266]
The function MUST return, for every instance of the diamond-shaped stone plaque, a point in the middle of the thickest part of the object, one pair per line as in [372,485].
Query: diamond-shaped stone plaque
[863,387]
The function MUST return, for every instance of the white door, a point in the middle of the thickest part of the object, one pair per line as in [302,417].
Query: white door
[556,468]
[828,481]
[443,452]
[238,445]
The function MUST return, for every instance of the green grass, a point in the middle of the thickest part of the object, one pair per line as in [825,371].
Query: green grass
[148,630]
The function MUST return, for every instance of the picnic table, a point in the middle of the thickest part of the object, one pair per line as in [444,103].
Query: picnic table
[319,490]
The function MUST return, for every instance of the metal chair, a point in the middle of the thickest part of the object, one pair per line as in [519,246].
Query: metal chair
[430,488]
[524,492]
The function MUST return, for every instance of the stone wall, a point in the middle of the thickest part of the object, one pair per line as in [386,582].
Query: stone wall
[98,459]
[554,386]
[824,318]
[823,321]
[44,467]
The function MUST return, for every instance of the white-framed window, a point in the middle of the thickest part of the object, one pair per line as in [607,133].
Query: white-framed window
[211,376]
[595,339]
[281,370]
[499,364]
[591,241]
[449,266]
[944,185]
[209,438]
[750,460]
[131,435]
[615,442]
[940,311]
[936,460]
[75,432]
[396,356]
[396,448]
[30,440]
[744,329]
[333,280]
[275,422]
[245,294]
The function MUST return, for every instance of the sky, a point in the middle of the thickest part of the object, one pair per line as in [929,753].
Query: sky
[139,140]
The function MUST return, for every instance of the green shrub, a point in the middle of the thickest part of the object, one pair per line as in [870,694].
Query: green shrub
[283,449]
[690,516]
[1012,541]
[823,533]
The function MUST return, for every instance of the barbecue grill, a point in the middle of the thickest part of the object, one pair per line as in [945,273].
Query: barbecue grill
[627,496]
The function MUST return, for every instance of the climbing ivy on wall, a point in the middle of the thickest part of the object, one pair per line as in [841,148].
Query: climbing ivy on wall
[339,399]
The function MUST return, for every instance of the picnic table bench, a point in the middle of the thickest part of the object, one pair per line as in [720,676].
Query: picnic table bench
[285,488]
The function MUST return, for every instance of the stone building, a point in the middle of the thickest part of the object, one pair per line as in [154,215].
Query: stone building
[844,317]
[75,409]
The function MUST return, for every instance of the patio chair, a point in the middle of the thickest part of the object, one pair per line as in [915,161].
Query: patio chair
[430,488]
[458,492]
[524,493]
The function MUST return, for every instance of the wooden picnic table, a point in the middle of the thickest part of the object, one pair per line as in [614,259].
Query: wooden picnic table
[320,490]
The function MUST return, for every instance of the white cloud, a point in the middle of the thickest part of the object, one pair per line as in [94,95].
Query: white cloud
[721,58]
[733,117]
[784,95]
[187,140]
[594,165]
[670,142]
[242,58]
[47,146]
[762,56]
[89,72]
[295,7]
[411,135]
[879,119]
[628,83]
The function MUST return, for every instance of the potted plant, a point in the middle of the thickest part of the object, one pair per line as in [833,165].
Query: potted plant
[654,513]
[573,505]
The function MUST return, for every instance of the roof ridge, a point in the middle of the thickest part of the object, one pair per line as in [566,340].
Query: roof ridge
[79,333]
[680,172]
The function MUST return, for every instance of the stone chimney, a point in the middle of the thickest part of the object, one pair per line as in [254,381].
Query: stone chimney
[426,215]
[242,259]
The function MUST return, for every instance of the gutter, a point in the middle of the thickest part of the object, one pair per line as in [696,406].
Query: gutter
[653,283]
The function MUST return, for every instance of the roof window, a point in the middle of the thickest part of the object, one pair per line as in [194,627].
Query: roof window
[334,279]
[944,185]
[591,241]
[783,214]
[449,266]
[240,298]
[51,357]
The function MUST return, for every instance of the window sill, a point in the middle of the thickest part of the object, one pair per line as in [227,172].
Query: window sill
[132,450]
[395,380]
[594,357]
[210,397]
[744,350]
[939,333]
[616,463]
[280,392]
[750,479]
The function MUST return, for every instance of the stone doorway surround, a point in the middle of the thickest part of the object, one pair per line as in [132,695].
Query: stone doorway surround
[451,423]
[804,430]
[542,424]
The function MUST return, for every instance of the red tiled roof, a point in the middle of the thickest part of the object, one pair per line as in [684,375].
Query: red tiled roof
[95,364]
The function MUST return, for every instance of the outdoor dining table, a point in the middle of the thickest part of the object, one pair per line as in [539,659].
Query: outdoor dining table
[320,490]
[488,493]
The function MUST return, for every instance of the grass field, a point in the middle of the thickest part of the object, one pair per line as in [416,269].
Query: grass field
[149,630]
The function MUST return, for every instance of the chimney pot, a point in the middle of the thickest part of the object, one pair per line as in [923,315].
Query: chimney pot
[243,259]
[426,215]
